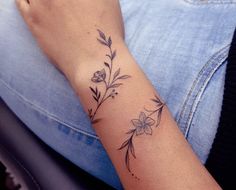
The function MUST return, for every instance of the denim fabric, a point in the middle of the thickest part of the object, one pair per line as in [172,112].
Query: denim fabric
[181,45]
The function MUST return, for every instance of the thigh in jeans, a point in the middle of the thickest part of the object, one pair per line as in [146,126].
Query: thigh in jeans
[172,41]
[43,99]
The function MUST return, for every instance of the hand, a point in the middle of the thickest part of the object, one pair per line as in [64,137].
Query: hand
[65,30]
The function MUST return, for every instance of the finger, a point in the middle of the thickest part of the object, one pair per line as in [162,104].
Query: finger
[23,6]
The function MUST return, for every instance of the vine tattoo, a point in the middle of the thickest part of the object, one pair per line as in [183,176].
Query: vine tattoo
[107,77]
[142,126]
[106,83]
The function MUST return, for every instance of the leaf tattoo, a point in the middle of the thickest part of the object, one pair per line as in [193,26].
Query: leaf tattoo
[107,77]
[142,126]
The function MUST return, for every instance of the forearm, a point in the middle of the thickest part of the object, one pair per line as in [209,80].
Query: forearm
[135,126]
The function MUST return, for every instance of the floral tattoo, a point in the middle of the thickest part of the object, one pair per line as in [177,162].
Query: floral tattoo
[107,77]
[106,83]
[142,126]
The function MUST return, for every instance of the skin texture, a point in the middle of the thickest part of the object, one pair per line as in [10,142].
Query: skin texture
[159,157]
[65,32]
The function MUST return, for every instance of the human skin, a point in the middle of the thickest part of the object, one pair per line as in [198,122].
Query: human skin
[126,111]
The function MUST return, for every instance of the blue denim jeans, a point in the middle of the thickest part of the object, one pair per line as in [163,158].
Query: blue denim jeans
[181,45]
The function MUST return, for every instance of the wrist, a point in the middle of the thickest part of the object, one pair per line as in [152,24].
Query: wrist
[91,64]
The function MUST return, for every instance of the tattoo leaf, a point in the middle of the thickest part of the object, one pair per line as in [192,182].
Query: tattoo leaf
[109,43]
[124,77]
[99,95]
[116,74]
[95,98]
[102,35]
[159,116]
[93,90]
[132,149]
[96,121]
[124,144]
[113,55]
[131,131]
[102,42]
[116,85]
[127,161]
[107,65]
[108,56]
[157,100]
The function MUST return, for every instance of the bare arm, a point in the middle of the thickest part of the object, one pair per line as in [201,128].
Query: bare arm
[133,123]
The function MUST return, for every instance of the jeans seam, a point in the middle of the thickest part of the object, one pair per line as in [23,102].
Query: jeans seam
[218,58]
[198,97]
[209,2]
[24,168]
[47,114]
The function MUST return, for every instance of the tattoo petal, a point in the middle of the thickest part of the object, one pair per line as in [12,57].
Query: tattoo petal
[136,122]
[99,76]
[142,117]
[148,130]
[149,121]
[139,131]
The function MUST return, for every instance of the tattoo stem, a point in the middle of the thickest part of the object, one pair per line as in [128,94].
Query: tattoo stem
[105,76]
[111,66]
[154,111]
[107,86]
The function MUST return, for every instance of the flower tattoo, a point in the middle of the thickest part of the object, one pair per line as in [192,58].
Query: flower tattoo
[107,77]
[142,126]
[99,76]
